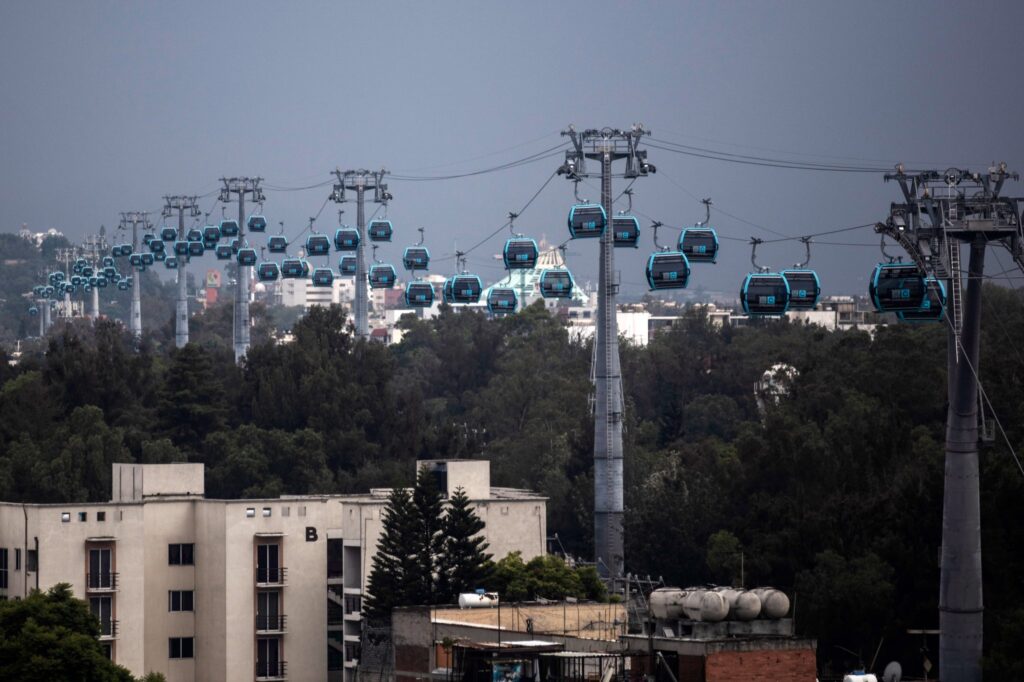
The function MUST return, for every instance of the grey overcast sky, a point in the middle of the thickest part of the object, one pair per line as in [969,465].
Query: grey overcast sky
[107,106]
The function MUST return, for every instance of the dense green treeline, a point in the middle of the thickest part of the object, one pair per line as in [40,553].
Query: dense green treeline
[833,494]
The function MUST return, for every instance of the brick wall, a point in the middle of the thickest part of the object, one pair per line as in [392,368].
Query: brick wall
[756,666]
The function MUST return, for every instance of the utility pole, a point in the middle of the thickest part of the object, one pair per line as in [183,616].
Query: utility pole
[93,247]
[360,181]
[181,203]
[939,212]
[241,186]
[65,255]
[133,219]
[607,146]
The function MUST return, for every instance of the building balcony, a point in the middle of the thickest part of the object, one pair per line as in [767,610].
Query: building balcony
[101,582]
[108,629]
[271,577]
[267,671]
[266,625]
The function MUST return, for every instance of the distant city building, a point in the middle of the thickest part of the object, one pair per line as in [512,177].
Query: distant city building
[240,590]
[37,238]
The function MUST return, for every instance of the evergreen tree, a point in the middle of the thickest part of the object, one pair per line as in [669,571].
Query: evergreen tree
[428,541]
[388,584]
[191,404]
[463,565]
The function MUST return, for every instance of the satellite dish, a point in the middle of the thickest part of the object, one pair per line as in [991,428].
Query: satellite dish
[893,672]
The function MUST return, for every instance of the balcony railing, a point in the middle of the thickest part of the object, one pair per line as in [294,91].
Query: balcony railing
[271,576]
[265,623]
[271,670]
[101,582]
[108,629]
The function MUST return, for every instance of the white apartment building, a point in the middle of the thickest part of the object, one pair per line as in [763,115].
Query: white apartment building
[239,590]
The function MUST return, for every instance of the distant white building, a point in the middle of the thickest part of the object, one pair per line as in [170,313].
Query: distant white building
[38,237]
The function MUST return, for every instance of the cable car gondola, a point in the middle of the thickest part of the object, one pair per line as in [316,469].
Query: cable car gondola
[135,260]
[196,249]
[502,300]
[446,290]
[246,257]
[318,245]
[699,244]
[804,288]
[382,276]
[933,305]
[88,270]
[625,231]
[667,270]
[223,252]
[556,283]
[268,271]
[127,249]
[323,277]
[159,256]
[587,220]
[195,235]
[147,238]
[305,268]
[765,293]
[277,243]
[168,234]
[76,280]
[419,294]
[101,282]
[466,288]
[291,268]
[416,258]
[229,228]
[109,272]
[211,233]
[897,287]
[236,244]
[93,281]
[180,249]
[520,253]
[347,266]
[33,311]
[256,223]
[156,246]
[171,263]
[147,260]
[380,230]
[115,251]
[346,239]
[108,262]
[123,284]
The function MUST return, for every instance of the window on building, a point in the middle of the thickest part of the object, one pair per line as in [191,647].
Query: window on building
[250,512]
[101,516]
[65,517]
[101,574]
[180,647]
[266,511]
[335,557]
[32,560]
[107,649]
[3,568]
[268,610]
[286,511]
[268,563]
[180,600]
[83,516]
[102,608]
[17,559]
[181,554]
[268,657]
[302,511]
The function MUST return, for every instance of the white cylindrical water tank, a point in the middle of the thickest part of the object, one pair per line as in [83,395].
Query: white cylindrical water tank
[667,603]
[705,605]
[774,603]
[473,600]
[860,677]
[743,605]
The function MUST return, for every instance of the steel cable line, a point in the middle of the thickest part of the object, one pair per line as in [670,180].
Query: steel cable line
[812,155]
[699,152]
[539,156]
[481,156]
[279,188]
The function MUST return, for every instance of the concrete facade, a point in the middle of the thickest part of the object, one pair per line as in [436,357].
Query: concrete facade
[274,586]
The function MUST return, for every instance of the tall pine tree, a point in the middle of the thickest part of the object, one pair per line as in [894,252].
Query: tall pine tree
[463,565]
[388,584]
[428,541]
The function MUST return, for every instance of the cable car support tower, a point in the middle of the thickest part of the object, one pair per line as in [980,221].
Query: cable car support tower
[360,181]
[607,146]
[940,211]
[181,204]
[132,220]
[242,323]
